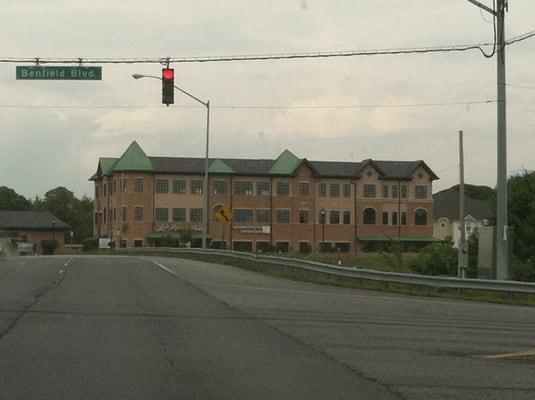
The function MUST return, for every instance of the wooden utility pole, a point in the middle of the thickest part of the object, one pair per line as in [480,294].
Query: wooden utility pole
[462,247]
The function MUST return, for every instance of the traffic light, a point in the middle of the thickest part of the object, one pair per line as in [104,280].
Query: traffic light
[168,83]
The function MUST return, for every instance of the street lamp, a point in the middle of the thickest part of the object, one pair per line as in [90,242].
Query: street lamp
[205,185]
[322,220]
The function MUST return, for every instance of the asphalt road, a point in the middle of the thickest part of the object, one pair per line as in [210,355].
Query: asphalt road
[160,328]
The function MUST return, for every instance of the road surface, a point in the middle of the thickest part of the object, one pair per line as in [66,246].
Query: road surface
[164,328]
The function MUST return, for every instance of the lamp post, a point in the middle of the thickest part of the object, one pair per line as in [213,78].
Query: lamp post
[322,214]
[205,184]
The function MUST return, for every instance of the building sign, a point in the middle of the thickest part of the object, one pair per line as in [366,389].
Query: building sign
[104,243]
[59,72]
[167,227]
[265,229]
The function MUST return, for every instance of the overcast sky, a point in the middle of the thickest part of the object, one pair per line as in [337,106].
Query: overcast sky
[44,145]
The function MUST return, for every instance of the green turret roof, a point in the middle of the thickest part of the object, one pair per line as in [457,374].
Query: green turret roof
[285,164]
[106,164]
[133,159]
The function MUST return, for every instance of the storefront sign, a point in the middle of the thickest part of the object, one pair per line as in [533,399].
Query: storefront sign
[265,229]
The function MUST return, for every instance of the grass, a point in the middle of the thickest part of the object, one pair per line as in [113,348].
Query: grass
[297,274]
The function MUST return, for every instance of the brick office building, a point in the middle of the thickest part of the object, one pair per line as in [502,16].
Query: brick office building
[289,203]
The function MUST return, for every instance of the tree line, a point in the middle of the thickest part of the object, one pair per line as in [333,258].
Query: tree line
[59,201]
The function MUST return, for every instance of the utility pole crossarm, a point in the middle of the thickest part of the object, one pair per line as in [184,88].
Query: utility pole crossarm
[483,6]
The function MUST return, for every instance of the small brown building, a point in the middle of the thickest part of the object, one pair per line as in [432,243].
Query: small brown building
[286,204]
[31,232]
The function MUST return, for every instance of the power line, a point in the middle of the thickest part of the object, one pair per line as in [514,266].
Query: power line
[520,87]
[252,107]
[263,57]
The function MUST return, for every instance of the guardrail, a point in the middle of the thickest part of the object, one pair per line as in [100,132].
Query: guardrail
[358,273]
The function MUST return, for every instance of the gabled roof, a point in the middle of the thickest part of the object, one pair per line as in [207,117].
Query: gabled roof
[446,204]
[106,164]
[285,164]
[38,220]
[219,166]
[397,170]
[335,169]
[133,159]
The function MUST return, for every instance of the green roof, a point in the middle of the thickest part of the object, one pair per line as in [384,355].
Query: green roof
[396,238]
[106,164]
[219,166]
[285,164]
[133,159]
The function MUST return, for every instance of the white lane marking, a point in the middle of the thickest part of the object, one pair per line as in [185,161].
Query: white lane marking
[525,353]
[164,268]
[61,271]
[66,264]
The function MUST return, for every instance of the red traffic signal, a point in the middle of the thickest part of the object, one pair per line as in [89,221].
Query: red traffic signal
[168,73]
[168,86]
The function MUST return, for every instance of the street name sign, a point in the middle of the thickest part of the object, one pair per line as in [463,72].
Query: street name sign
[59,72]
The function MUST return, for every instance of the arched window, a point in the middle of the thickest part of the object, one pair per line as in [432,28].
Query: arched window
[420,217]
[369,216]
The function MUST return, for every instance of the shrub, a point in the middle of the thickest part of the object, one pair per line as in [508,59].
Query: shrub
[439,258]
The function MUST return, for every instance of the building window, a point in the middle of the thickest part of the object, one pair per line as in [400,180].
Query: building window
[96,191]
[138,185]
[283,216]
[385,218]
[334,189]
[369,216]
[104,191]
[243,188]
[125,214]
[263,216]
[114,214]
[104,214]
[303,189]
[347,217]
[369,191]
[282,247]
[394,218]
[322,189]
[220,187]
[420,217]
[303,216]
[179,186]
[138,243]
[347,190]
[114,187]
[179,214]
[195,187]
[162,186]
[244,215]
[161,214]
[125,185]
[138,213]
[403,191]
[242,245]
[394,191]
[334,217]
[262,188]
[420,192]
[283,188]
[385,191]
[124,243]
[195,215]
[403,218]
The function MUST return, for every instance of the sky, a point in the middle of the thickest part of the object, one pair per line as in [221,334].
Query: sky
[53,132]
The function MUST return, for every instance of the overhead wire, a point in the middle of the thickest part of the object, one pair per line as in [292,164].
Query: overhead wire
[259,107]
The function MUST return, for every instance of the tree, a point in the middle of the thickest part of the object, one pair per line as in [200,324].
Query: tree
[521,207]
[12,201]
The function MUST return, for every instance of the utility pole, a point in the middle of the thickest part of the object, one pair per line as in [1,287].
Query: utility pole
[502,248]
[502,239]
[462,248]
